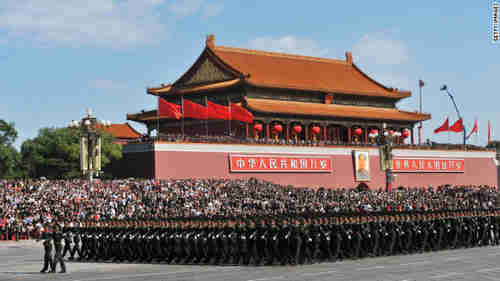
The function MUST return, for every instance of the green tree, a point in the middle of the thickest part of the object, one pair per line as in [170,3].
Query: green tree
[9,157]
[55,153]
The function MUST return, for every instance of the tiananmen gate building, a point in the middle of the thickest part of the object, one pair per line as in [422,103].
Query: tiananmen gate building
[290,119]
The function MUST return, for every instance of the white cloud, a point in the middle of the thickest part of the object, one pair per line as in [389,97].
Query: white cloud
[378,48]
[184,8]
[101,23]
[289,44]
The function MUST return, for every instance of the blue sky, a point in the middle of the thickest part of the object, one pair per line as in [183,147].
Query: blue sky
[59,57]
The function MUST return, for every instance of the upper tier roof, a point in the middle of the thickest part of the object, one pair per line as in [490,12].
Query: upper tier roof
[277,70]
[286,71]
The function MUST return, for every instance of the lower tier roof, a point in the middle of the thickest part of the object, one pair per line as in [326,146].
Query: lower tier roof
[333,110]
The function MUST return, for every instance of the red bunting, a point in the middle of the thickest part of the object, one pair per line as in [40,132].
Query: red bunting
[168,110]
[443,128]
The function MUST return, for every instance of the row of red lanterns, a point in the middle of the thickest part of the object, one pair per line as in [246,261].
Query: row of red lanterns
[374,132]
[278,128]
[316,130]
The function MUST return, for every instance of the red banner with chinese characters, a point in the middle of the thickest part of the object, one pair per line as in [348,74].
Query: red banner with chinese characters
[428,165]
[278,163]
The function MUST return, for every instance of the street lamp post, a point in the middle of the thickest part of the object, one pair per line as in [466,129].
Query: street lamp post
[90,144]
[445,88]
[385,141]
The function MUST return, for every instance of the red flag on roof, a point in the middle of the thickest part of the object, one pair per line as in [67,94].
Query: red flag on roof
[169,110]
[239,113]
[443,128]
[489,132]
[457,126]
[474,130]
[194,110]
[217,111]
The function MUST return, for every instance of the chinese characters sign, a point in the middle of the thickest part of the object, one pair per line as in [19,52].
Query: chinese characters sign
[436,165]
[277,163]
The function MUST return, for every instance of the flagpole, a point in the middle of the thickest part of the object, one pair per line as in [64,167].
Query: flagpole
[476,126]
[477,136]
[420,85]
[448,136]
[489,132]
[158,120]
[229,109]
[206,120]
[182,121]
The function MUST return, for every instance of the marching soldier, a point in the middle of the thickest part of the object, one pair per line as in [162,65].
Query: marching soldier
[47,247]
[76,242]
[68,239]
[57,236]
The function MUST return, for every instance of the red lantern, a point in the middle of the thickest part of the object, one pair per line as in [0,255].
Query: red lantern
[278,128]
[358,131]
[391,132]
[297,129]
[374,132]
[406,133]
[257,127]
[316,130]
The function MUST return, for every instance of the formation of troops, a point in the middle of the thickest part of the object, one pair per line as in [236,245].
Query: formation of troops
[272,240]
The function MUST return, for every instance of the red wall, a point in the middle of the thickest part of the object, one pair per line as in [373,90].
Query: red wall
[214,164]
[172,164]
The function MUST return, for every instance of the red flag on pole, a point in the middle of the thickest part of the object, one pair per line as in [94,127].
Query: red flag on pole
[217,111]
[169,110]
[474,130]
[241,114]
[489,132]
[457,126]
[443,128]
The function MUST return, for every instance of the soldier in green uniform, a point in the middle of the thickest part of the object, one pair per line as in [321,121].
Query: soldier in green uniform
[57,236]
[76,242]
[68,240]
[47,247]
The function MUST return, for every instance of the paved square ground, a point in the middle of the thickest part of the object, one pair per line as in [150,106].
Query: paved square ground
[23,261]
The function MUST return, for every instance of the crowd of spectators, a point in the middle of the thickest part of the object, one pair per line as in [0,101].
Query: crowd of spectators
[25,206]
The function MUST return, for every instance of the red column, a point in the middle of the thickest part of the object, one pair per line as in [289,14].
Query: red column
[366,134]
[324,132]
[349,135]
[267,131]
[306,130]
[246,129]
[287,128]
[412,138]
